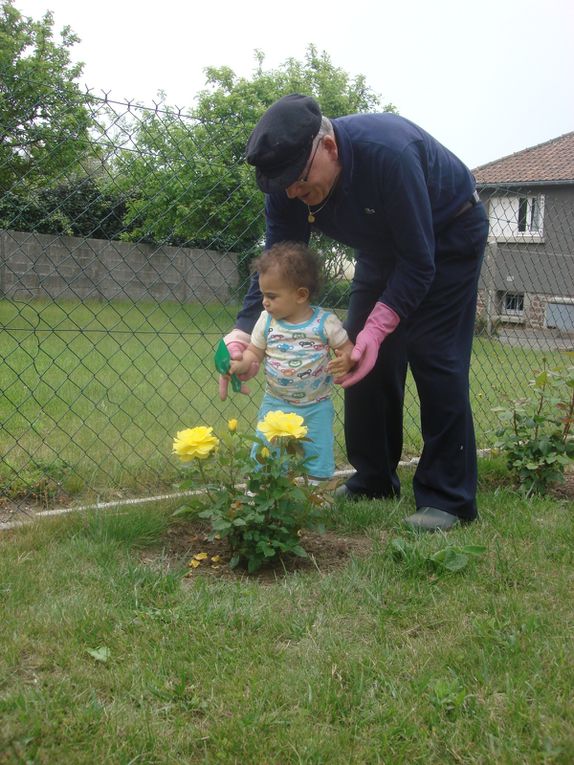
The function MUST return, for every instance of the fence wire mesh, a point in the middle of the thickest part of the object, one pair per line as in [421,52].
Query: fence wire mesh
[125,240]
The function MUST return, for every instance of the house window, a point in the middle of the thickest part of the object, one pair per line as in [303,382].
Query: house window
[529,221]
[511,303]
[516,218]
[514,302]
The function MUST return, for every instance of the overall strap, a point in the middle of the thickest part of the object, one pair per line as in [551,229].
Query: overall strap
[322,318]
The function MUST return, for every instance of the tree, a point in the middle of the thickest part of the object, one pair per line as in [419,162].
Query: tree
[44,116]
[188,178]
[81,206]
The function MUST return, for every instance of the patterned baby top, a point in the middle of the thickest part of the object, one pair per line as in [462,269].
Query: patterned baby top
[296,355]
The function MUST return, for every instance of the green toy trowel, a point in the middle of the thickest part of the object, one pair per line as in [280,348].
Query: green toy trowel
[223,363]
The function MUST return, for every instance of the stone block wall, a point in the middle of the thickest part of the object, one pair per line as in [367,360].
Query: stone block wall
[60,267]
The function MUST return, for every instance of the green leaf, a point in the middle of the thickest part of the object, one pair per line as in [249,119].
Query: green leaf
[99,654]
[473,549]
[450,558]
[220,524]
[454,561]
[400,547]
[183,510]
[541,379]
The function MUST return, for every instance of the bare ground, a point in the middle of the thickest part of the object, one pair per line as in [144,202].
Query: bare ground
[187,544]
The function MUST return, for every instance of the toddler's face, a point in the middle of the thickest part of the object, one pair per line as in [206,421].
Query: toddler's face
[280,300]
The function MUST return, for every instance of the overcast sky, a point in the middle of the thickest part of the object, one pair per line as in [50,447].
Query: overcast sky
[486,79]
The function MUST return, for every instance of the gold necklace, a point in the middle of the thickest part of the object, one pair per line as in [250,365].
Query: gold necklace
[312,213]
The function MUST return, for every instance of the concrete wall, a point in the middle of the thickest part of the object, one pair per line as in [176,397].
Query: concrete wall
[60,267]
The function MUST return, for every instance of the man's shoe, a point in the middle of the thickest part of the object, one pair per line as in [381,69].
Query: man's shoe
[343,492]
[432,519]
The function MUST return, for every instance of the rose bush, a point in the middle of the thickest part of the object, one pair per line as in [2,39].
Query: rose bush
[536,434]
[258,505]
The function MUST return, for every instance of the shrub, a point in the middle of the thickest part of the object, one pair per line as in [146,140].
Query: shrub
[260,504]
[536,433]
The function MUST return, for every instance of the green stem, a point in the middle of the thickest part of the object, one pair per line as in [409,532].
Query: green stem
[569,416]
[541,403]
[203,478]
[232,476]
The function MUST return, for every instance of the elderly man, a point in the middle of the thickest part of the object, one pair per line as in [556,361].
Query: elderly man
[409,208]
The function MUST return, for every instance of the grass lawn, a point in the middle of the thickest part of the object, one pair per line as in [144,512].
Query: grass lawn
[110,655]
[93,393]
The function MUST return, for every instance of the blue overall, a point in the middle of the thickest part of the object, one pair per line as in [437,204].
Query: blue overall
[406,205]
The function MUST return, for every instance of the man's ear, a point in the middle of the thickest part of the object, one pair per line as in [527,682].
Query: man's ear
[330,144]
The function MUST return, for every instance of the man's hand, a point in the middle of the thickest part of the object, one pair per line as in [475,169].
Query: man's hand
[381,322]
[237,341]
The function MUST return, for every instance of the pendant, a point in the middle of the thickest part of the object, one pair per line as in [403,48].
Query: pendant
[311,217]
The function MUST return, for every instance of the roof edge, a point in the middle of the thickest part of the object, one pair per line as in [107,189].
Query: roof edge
[520,184]
[523,151]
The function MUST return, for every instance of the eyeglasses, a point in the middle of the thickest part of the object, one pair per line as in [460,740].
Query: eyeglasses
[305,177]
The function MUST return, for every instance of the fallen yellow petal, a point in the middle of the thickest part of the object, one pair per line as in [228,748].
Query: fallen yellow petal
[201,556]
[195,563]
[216,558]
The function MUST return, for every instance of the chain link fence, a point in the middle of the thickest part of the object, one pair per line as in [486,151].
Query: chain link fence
[123,263]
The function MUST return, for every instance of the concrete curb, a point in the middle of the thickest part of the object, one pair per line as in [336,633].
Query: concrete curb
[6,525]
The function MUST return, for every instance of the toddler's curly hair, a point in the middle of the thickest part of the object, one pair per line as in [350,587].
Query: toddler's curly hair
[295,263]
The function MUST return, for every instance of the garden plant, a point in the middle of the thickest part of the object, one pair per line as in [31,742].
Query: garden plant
[258,499]
[536,432]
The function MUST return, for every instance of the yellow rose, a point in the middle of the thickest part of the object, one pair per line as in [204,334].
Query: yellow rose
[194,442]
[282,425]
[232,424]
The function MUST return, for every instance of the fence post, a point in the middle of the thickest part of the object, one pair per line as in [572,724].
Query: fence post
[490,283]
[2,262]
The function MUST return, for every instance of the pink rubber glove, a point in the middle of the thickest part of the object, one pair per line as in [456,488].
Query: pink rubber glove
[381,322]
[237,341]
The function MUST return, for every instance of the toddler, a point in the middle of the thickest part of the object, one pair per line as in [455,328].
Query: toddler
[294,339]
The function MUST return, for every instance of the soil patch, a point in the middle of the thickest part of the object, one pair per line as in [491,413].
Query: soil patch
[565,490]
[188,545]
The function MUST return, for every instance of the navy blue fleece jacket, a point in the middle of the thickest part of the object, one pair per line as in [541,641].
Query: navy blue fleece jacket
[398,188]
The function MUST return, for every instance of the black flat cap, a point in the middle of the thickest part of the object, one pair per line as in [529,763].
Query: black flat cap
[281,142]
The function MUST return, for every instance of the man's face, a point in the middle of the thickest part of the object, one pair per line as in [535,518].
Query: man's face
[319,175]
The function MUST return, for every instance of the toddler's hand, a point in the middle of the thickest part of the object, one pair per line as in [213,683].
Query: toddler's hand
[342,363]
[239,366]
[236,342]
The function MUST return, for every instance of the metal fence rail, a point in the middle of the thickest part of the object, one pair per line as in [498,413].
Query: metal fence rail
[123,264]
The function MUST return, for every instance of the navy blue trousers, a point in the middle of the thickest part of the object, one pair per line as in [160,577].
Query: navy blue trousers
[436,342]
